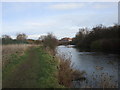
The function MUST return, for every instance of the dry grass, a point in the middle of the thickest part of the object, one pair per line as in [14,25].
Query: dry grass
[67,74]
[8,50]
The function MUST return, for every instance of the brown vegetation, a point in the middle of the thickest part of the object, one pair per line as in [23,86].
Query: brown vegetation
[8,50]
[67,74]
[49,41]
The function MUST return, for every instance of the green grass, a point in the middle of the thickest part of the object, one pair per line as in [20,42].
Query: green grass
[35,69]
[14,62]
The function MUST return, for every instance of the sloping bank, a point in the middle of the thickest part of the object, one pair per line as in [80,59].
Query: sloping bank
[35,69]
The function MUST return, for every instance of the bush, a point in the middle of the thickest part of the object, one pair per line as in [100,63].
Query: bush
[99,38]
[49,41]
[96,45]
[67,74]
[106,45]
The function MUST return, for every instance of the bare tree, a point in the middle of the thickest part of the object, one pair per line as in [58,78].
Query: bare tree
[21,37]
[49,41]
[6,37]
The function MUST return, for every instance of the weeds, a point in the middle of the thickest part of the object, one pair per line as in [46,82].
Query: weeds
[67,74]
[8,50]
[35,69]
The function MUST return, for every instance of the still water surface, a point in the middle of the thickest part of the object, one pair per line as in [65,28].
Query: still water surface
[93,63]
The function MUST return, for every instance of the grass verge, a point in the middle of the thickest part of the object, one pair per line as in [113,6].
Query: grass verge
[35,69]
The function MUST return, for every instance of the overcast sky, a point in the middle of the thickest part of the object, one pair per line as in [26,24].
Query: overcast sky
[63,19]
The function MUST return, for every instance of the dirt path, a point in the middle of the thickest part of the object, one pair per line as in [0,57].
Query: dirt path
[25,75]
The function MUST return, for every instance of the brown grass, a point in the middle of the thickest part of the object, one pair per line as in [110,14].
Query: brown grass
[66,72]
[8,50]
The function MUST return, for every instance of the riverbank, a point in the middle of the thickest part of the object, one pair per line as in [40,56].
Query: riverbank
[98,66]
[35,69]
[98,51]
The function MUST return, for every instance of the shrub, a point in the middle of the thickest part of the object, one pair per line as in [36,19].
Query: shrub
[96,45]
[67,74]
[99,37]
[106,45]
[49,41]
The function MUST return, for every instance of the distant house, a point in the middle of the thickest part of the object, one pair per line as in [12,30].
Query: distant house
[65,39]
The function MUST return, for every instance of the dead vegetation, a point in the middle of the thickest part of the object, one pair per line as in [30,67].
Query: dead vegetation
[67,74]
[8,50]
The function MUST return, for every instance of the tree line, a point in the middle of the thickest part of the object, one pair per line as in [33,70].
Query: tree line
[20,39]
[49,41]
[99,38]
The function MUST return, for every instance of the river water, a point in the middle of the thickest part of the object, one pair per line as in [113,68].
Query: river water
[99,67]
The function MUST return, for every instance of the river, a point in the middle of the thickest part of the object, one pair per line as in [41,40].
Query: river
[99,67]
